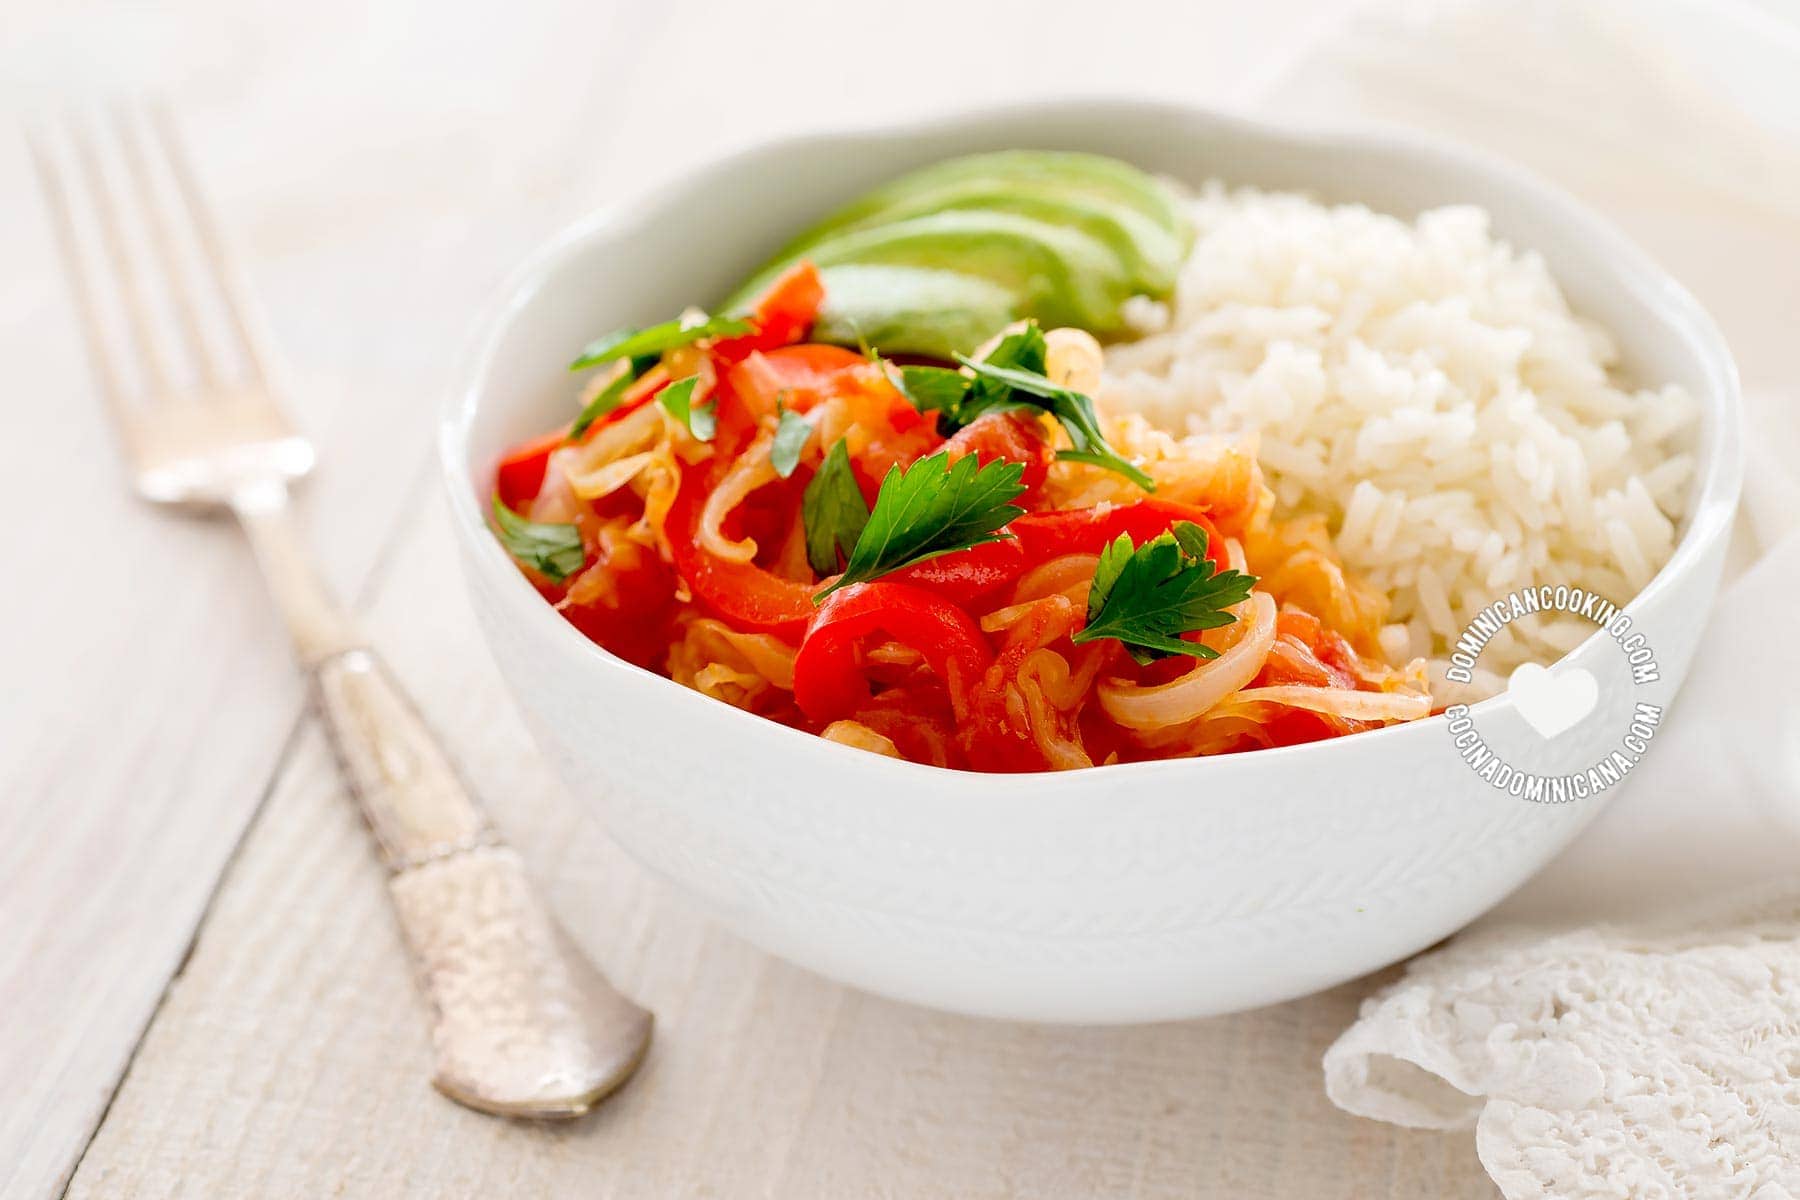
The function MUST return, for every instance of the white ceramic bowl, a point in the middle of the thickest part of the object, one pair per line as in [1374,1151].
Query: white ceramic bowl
[1141,892]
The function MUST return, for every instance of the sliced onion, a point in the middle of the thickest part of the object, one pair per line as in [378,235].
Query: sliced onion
[854,733]
[1055,732]
[767,654]
[752,470]
[661,480]
[1342,702]
[1006,618]
[1189,697]
[606,480]
[893,654]
[715,678]
[1070,574]
[1234,555]
[1037,622]
[640,430]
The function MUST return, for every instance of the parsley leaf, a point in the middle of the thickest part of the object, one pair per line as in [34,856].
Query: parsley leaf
[1011,376]
[634,343]
[1024,349]
[934,389]
[833,511]
[933,507]
[678,401]
[554,551]
[1072,408]
[1148,596]
[959,399]
[791,432]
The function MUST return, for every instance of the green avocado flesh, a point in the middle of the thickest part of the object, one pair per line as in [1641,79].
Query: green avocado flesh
[937,261]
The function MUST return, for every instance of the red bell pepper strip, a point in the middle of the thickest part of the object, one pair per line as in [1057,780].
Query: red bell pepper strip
[1087,530]
[1037,538]
[968,575]
[828,680]
[743,594]
[782,315]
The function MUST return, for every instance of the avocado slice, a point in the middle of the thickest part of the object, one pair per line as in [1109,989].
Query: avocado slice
[1062,274]
[912,310]
[1062,237]
[1146,250]
[1018,172]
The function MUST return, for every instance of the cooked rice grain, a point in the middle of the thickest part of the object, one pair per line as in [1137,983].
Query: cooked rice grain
[1426,387]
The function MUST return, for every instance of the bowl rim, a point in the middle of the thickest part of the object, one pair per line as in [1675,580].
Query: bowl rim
[1712,504]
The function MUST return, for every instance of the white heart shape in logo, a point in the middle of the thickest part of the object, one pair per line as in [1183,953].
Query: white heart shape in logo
[1552,704]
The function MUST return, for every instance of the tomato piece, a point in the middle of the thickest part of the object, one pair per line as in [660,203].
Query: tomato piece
[744,595]
[1296,726]
[828,679]
[1300,624]
[1307,653]
[520,475]
[1009,436]
[887,431]
[1291,662]
[1335,651]
[782,315]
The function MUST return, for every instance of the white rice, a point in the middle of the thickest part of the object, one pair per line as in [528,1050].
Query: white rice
[1427,388]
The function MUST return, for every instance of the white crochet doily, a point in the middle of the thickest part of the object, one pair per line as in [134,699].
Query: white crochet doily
[1603,1062]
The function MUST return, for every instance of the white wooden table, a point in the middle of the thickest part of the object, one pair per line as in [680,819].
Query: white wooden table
[201,991]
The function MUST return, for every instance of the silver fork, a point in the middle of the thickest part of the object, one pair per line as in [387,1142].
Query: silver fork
[522,1023]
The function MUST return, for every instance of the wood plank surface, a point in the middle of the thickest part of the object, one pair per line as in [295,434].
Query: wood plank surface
[290,1059]
[383,164]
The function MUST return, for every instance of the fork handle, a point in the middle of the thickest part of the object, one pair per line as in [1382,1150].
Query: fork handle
[522,1023]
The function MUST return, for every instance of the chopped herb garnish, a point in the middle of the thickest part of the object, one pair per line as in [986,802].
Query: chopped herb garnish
[933,507]
[635,343]
[1024,349]
[1148,596]
[791,432]
[1072,408]
[678,401]
[934,389]
[833,511]
[554,551]
[959,397]
[1011,376]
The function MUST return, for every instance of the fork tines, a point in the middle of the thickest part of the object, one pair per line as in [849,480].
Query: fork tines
[170,328]
[160,301]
